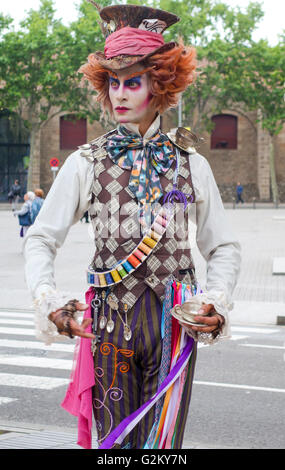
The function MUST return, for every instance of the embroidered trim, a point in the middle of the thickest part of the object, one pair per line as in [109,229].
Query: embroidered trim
[115,393]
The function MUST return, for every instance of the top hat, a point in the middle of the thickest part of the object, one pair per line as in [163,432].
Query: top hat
[133,33]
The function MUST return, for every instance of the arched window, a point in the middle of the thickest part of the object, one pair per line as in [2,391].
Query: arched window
[73,132]
[224,134]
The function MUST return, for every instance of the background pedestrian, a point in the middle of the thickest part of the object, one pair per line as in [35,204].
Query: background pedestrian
[239,191]
[37,203]
[24,214]
[15,194]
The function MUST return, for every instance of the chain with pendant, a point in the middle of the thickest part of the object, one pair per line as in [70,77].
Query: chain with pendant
[103,321]
[114,306]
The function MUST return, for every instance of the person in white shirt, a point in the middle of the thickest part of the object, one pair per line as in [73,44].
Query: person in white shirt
[134,289]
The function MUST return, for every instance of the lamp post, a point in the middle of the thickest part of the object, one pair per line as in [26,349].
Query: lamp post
[180,112]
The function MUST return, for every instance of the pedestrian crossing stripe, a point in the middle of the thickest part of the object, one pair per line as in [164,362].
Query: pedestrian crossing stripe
[6,314]
[34,361]
[6,400]
[252,329]
[16,331]
[31,381]
[24,344]
[11,321]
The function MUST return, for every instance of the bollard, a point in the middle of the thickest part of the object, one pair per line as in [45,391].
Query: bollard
[253,202]
[234,202]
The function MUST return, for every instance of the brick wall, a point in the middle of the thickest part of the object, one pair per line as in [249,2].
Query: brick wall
[50,147]
[236,165]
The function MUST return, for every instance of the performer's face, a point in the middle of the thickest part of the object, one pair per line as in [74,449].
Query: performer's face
[129,92]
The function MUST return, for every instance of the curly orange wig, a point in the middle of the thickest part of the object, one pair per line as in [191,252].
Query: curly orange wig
[170,74]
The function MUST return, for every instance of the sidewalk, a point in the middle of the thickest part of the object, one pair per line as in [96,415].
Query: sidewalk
[20,437]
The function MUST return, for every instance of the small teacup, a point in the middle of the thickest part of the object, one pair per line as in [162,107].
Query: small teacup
[187,312]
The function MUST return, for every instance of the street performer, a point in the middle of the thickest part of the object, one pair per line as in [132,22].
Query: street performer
[144,190]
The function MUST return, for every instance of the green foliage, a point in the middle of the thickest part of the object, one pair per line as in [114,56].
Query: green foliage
[39,63]
[264,76]
[203,20]
[26,161]
[233,71]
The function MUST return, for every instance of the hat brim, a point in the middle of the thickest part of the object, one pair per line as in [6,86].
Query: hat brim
[124,61]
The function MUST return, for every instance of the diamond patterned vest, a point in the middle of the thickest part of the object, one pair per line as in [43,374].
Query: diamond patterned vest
[117,230]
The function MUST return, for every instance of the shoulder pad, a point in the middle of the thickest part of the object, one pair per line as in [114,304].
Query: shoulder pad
[95,149]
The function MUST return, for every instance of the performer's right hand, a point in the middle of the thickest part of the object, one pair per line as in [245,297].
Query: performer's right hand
[75,328]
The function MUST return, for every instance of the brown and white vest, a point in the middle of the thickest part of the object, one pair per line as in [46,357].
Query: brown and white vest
[113,213]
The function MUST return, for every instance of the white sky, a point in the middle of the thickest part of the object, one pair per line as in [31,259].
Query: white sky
[272,24]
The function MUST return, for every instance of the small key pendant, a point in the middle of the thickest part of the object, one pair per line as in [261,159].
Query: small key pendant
[93,347]
[94,342]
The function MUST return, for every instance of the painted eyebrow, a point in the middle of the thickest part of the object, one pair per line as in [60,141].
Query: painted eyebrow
[132,75]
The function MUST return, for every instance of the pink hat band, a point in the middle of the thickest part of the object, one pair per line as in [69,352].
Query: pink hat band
[132,41]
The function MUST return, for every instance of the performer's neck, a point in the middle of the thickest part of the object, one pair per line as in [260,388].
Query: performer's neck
[149,126]
[146,123]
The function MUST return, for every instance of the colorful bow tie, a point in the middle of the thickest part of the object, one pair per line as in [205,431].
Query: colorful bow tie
[146,158]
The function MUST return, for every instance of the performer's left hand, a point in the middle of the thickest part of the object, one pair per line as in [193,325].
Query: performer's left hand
[211,322]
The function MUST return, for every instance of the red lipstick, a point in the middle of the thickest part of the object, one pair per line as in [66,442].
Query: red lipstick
[121,109]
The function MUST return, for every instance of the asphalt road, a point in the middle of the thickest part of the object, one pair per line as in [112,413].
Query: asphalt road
[238,398]
[238,394]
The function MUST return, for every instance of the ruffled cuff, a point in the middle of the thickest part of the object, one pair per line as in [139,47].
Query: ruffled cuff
[48,301]
[222,307]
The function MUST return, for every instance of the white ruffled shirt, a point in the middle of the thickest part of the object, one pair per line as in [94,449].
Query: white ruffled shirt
[63,208]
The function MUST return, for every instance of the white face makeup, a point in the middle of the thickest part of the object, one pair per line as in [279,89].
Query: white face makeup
[130,96]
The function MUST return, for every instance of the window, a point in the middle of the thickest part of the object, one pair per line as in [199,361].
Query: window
[224,134]
[72,132]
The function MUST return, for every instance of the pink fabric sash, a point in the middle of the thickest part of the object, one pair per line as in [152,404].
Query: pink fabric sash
[132,41]
[78,398]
